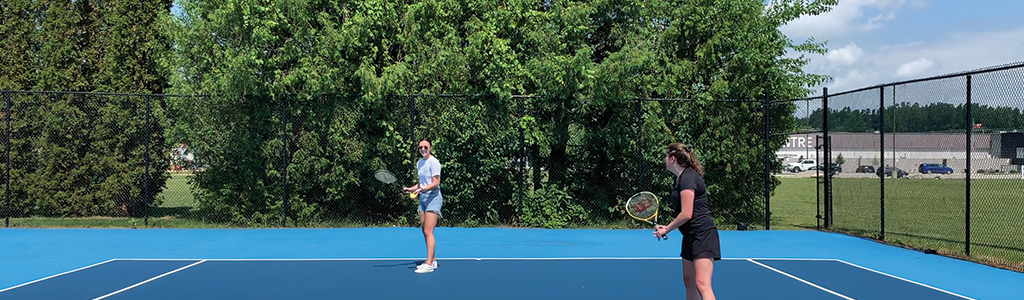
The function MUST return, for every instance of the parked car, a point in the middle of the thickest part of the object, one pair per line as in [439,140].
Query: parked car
[865,169]
[934,168]
[890,171]
[833,168]
[804,165]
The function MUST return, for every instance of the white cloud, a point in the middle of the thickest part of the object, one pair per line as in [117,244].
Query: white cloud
[972,50]
[871,51]
[853,67]
[852,79]
[914,68]
[878,21]
[845,56]
[849,17]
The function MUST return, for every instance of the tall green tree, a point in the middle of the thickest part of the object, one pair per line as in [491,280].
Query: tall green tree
[79,154]
[280,75]
[17,26]
[65,31]
[702,51]
[310,83]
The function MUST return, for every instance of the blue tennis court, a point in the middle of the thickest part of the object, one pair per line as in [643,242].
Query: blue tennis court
[480,263]
[558,278]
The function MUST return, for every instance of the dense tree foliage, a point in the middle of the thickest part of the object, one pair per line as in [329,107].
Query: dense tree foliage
[77,154]
[328,88]
[544,113]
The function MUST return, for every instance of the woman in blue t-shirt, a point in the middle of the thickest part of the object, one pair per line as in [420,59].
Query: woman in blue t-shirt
[700,246]
[428,171]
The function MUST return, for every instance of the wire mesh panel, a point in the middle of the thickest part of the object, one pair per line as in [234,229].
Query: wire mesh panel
[604,158]
[325,154]
[476,139]
[944,154]
[997,184]
[726,136]
[661,122]
[235,147]
[856,191]
[729,137]
[81,155]
[796,126]
[185,139]
[22,160]
[925,144]
[5,164]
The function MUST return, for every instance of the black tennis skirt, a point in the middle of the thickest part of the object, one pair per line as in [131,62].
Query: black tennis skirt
[701,244]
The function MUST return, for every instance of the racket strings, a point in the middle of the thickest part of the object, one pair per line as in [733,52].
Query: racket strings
[385,176]
[642,207]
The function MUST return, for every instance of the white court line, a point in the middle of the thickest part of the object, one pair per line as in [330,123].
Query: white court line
[785,259]
[408,258]
[908,280]
[800,280]
[455,258]
[52,276]
[148,280]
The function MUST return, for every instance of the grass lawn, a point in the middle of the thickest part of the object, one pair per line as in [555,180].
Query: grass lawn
[177,193]
[174,212]
[919,213]
[794,204]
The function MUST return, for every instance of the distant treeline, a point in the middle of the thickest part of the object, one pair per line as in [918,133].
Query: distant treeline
[913,117]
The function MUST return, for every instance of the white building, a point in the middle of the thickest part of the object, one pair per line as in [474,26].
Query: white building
[903,150]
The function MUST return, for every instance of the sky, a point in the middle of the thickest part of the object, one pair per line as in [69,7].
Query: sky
[873,42]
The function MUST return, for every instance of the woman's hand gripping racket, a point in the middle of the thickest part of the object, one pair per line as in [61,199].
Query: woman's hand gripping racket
[643,206]
[387,177]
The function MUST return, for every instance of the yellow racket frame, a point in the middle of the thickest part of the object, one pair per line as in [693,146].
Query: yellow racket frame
[654,217]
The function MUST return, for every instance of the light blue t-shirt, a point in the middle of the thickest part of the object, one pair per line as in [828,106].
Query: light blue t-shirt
[426,169]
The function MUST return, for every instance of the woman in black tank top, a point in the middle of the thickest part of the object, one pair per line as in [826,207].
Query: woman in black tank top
[700,246]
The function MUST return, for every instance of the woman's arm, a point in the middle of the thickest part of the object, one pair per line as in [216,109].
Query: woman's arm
[686,213]
[434,182]
[686,204]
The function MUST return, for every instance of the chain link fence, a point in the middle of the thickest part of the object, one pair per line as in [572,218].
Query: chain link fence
[74,155]
[797,137]
[272,161]
[933,163]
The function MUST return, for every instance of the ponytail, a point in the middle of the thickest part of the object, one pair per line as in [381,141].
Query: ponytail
[685,156]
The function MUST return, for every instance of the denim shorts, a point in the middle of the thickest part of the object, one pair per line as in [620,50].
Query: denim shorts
[431,201]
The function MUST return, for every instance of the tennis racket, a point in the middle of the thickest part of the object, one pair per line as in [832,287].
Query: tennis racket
[643,206]
[387,177]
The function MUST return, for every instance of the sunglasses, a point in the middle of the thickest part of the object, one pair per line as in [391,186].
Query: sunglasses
[424,147]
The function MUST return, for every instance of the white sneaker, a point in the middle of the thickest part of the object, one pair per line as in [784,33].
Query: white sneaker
[434,265]
[425,268]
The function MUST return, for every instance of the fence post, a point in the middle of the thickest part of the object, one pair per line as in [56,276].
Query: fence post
[767,162]
[639,146]
[820,208]
[7,164]
[522,155]
[412,128]
[284,161]
[967,174]
[828,157]
[881,179]
[145,181]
